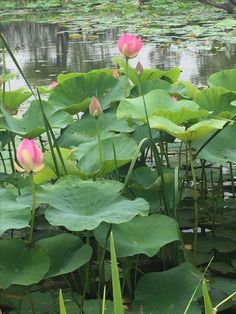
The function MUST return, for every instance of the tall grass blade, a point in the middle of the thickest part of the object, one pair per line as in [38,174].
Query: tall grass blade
[61,303]
[207,300]
[47,128]
[195,290]
[117,297]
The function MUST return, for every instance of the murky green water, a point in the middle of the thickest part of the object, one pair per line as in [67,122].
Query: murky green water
[44,50]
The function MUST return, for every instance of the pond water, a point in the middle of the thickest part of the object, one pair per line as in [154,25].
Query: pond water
[44,50]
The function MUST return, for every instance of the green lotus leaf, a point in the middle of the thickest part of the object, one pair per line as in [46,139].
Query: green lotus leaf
[80,205]
[21,263]
[150,85]
[13,99]
[85,130]
[216,99]
[193,133]
[66,252]
[154,294]
[13,214]
[159,103]
[214,152]
[116,152]
[74,95]
[225,79]
[31,124]
[141,235]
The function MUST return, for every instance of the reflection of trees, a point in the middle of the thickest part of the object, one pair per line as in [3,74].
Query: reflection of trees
[44,50]
[197,67]
[209,63]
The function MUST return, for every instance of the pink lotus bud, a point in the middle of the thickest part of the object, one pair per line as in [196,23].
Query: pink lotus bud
[29,156]
[95,108]
[115,74]
[174,98]
[139,68]
[52,85]
[129,45]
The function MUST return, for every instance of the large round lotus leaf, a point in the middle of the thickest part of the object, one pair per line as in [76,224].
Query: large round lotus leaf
[13,99]
[159,103]
[116,152]
[214,151]
[140,235]
[13,215]
[193,133]
[150,85]
[225,78]
[216,99]
[167,292]
[66,253]
[85,130]
[31,124]
[74,95]
[80,205]
[21,263]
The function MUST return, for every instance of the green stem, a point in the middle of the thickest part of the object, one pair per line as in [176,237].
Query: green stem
[3,163]
[195,201]
[232,178]
[33,208]
[126,76]
[99,143]
[145,108]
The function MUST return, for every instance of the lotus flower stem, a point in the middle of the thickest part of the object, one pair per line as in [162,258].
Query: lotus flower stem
[11,157]
[195,201]
[99,143]
[145,108]
[33,207]
[232,178]
[3,163]
[126,76]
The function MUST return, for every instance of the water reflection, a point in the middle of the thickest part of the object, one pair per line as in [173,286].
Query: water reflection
[45,50]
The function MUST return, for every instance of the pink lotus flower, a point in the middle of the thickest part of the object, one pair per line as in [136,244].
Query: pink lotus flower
[52,85]
[95,108]
[129,45]
[29,156]
[174,98]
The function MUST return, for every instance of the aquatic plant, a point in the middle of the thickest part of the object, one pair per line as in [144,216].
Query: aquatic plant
[134,208]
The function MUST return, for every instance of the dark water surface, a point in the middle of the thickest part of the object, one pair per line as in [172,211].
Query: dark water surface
[44,50]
